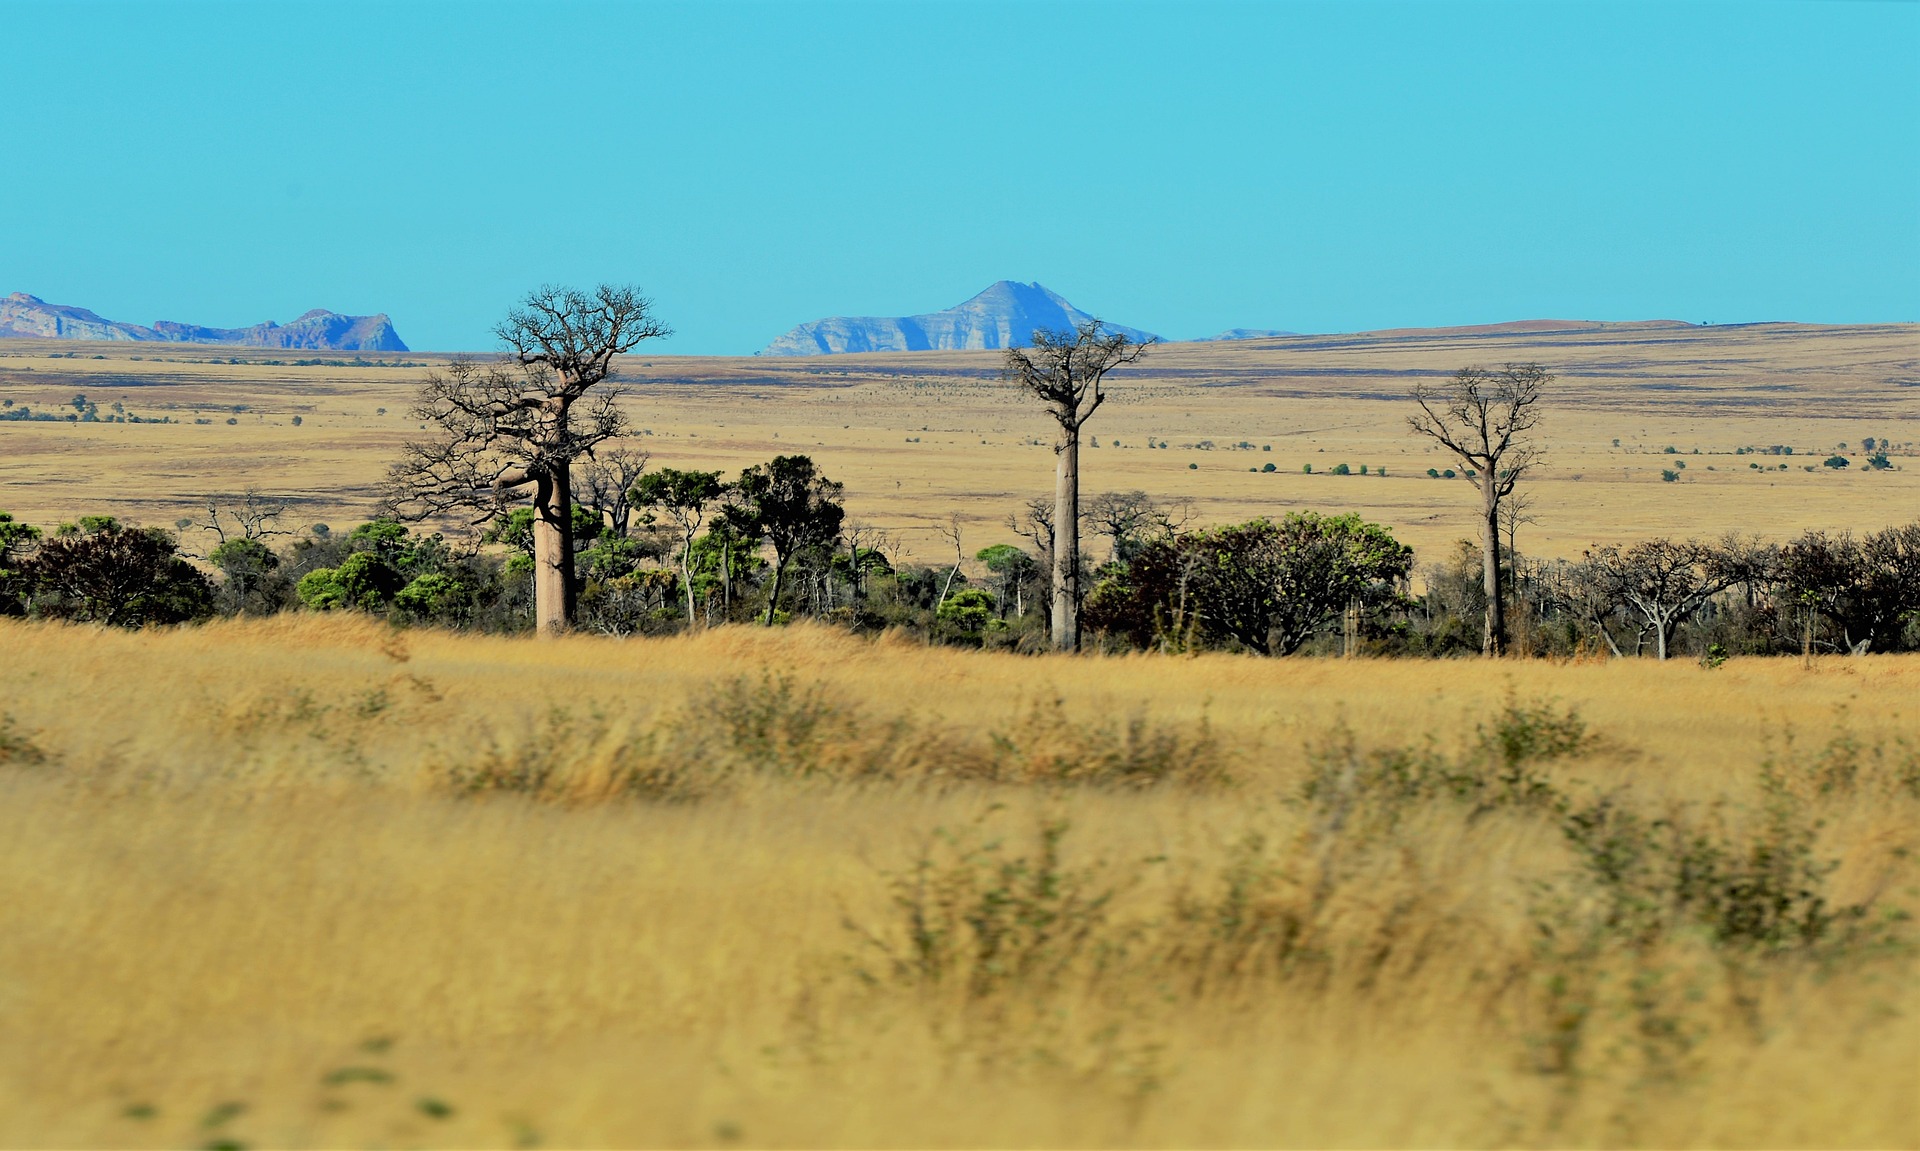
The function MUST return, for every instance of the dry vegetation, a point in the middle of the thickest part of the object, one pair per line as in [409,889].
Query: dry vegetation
[316,881]
[916,436]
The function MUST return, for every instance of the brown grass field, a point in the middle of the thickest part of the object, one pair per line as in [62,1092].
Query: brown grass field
[915,437]
[313,881]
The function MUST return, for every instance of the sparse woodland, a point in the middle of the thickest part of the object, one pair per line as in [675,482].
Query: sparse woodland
[818,857]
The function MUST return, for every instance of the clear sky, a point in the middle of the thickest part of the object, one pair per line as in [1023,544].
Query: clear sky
[1182,167]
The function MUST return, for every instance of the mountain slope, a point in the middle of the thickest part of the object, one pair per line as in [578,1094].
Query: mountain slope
[1005,315]
[30,316]
[1244,334]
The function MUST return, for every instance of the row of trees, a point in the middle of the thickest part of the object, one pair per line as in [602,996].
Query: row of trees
[1305,583]
[604,542]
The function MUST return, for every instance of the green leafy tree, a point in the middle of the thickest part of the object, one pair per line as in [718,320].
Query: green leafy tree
[1264,585]
[365,580]
[439,597]
[968,610]
[16,543]
[725,554]
[1011,567]
[792,506]
[684,498]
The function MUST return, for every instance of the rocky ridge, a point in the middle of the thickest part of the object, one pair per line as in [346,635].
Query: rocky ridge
[1005,315]
[22,315]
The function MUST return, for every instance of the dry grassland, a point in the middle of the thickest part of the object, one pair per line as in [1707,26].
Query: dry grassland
[314,882]
[917,436]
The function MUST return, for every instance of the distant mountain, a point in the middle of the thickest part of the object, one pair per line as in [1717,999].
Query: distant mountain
[1003,316]
[320,330]
[1244,334]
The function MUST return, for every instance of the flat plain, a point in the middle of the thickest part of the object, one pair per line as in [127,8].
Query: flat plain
[314,881]
[918,436]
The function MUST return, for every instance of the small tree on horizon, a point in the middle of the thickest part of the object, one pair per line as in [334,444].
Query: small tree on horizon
[1065,370]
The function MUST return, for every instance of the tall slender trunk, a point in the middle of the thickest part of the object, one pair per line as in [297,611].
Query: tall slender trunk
[1493,641]
[552,554]
[686,574]
[1066,541]
[773,599]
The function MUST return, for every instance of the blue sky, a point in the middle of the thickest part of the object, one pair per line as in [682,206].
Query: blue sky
[1182,167]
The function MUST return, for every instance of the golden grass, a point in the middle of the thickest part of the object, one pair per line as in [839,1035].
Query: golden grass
[918,436]
[243,876]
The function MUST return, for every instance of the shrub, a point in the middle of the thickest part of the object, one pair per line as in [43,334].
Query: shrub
[973,911]
[16,747]
[969,610]
[1342,470]
[101,572]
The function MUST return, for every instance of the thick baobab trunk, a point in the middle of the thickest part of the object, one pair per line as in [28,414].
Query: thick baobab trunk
[553,555]
[1066,542]
[1493,640]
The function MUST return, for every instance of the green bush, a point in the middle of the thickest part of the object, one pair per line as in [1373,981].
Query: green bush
[969,610]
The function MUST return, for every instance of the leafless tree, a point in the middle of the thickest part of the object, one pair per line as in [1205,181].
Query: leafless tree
[1066,371]
[950,531]
[865,545]
[604,485]
[1515,510]
[248,516]
[1486,419]
[1131,519]
[1663,581]
[513,424]
[1034,521]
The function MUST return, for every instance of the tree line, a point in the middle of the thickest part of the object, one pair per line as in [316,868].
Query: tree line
[571,529]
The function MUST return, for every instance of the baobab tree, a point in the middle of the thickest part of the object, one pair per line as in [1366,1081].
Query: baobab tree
[1065,370]
[503,427]
[1486,419]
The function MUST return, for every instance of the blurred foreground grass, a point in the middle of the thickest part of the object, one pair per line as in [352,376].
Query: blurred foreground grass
[317,882]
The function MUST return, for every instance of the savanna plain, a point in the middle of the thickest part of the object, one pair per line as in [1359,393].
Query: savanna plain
[313,880]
